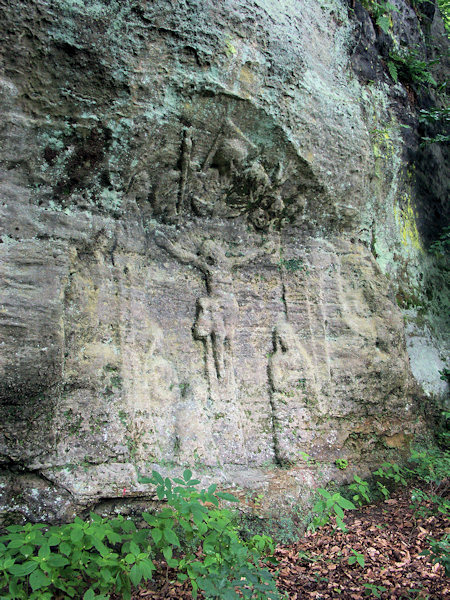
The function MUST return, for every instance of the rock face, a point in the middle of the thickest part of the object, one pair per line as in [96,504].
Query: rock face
[193,199]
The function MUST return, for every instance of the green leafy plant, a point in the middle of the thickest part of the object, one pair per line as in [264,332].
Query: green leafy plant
[327,506]
[432,466]
[408,67]
[426,504]
[441,246]
[392,472]
[360,489]
[93,559]
[341,463]
[383,490]
[228,566]
[445,376]
[439,552]
[444,6]
[380,11]
[374,590]
[437,116]
[357,557]
[84,559]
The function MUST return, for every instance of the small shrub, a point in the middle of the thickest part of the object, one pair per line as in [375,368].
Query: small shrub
[432,466]
[357,557]
[95,558]
[408,67]
[228,563]
[420,499]
[380,11]
[392,472]
[328,506]
[439,552]
[341,463]
[84,559]
[360,489]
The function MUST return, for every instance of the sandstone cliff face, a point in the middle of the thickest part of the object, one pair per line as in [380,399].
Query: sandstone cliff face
[193,199]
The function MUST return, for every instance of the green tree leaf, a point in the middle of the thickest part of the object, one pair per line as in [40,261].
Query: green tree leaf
[171,537]
[38,580]
[24,569]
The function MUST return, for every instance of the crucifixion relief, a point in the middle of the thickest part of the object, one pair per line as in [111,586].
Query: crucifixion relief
[217,313]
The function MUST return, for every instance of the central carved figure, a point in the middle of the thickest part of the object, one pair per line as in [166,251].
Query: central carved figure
[218,312]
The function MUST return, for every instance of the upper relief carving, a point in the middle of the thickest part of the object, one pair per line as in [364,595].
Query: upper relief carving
[228,160]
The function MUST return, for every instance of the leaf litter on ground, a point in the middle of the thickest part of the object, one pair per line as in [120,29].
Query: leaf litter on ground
[390,536]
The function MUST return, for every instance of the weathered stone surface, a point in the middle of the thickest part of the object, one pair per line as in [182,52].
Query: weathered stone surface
[199,206]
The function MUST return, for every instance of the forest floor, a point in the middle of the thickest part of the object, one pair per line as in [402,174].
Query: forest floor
[388,537]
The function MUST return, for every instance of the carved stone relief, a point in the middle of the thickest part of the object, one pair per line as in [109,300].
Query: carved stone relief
[294,389]
[217,316]
[229,161]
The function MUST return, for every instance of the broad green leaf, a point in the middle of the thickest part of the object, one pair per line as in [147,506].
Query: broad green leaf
[18,543]
[329,502]
[101,548]
[144,479]
[134,548]
[95,518]
[76,535]
[226,496]
[130,559]
[147,568]
[338,510]
[324,493]
[187,475]
[171,537]
[113,537]
[26,550]
[156,535]
[7,563]
[54,540]
[89,595]
[44,551]
[157,477]
[14,528]
[56,560]
[14,589]
[136,574]
[347,504]
[128,526]
[150,519]
[65,548]
[340,523]
[24,569]
[38,579]
[106,575]
[167,551]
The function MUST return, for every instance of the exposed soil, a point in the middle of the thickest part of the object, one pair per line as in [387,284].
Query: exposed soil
[390,536]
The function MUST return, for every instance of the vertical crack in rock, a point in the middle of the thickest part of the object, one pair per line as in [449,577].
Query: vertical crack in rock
[274,416]
[186,152]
